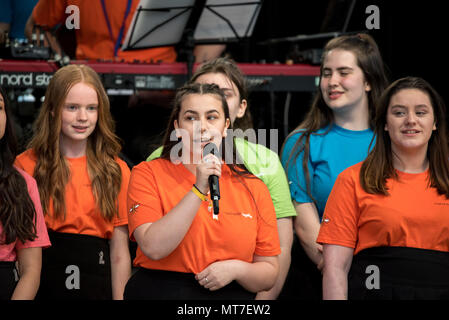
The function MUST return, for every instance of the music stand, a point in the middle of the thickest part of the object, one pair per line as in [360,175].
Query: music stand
[158,23]
[322,35]
[236,21]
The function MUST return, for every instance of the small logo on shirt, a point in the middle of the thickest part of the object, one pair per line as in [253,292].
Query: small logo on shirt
[134,208]
[247,215]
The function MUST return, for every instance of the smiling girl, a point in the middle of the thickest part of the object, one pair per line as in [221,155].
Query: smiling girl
[391,211]
[73,156]
[335,134]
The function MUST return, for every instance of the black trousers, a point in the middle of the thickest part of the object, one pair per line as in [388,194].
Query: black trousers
[7,280]
[148,284]
[399,273]
[75,267]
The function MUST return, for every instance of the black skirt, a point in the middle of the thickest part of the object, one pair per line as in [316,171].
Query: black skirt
[147,284]
[7,279]
[399,273]
[75,267]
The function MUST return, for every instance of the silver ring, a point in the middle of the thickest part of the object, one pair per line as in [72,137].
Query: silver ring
[206,280]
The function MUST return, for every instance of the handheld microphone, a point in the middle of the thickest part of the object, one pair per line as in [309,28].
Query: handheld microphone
[213,179]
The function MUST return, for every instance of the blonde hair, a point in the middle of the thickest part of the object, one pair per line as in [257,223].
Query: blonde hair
[52,171]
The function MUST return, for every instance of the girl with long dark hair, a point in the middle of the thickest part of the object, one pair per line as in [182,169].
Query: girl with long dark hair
[385,227]
[257,158]
[335,134]
[185,250]
[22,226]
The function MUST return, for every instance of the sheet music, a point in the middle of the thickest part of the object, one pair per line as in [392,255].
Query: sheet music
[238,12]
[160,25]
[166,34]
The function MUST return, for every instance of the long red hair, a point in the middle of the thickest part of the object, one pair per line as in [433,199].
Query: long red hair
[52,171]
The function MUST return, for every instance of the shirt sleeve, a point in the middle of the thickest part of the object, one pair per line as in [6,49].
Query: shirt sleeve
[265,164]
[26,161]
[144,203]
[49,13]
[122,219]
[339,225]
[279,191]
[292,160]
[42,239]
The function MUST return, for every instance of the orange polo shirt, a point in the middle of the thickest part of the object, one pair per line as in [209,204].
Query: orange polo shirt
[93,38]
[82,215]
[413,215]
[245,227]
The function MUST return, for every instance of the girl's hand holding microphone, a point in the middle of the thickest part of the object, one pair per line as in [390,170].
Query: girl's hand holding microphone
[209,165]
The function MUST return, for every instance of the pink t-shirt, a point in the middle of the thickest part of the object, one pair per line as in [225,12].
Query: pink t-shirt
[8,252]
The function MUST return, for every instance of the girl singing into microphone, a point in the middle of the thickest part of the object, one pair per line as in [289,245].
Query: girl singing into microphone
[184,250]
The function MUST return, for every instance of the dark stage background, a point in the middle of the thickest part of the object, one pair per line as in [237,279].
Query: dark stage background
[411,37]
